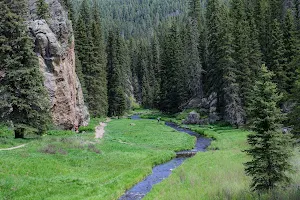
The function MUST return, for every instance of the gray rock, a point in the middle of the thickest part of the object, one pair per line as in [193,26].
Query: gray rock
[55,50]
[192,118]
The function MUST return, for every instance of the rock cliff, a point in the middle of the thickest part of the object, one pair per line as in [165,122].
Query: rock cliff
[54,46]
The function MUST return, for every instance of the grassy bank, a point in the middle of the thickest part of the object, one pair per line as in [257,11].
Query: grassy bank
[80,167]
[219,172]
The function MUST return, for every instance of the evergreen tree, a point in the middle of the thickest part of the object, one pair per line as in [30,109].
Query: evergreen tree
[172,92]
[116,94]
[294,116]
[81,51]
[270,148]
[42,9]
[291,51]
[221,70]
[156,62]
[191,46]
[263,23]
[297,14]
[276,61]
[23,98]
[69,7]
[241,46]
[95,72]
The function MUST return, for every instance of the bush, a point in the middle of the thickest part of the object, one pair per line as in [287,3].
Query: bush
[5,131]
[92,125]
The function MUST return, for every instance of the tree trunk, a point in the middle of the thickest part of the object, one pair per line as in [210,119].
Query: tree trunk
[19,133]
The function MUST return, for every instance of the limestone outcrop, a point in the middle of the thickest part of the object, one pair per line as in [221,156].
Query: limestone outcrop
[54,46]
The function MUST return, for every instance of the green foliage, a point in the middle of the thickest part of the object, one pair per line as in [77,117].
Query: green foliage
[91,126]
[42,9]
[24,100]
[91,58]
[115,75]
[172,91]
[294,116]
[270,148]
[74,166]
[59,132]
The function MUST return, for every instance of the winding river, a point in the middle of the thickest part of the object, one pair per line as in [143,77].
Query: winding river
[160,172]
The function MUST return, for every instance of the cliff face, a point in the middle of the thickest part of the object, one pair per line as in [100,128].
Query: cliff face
[54,46]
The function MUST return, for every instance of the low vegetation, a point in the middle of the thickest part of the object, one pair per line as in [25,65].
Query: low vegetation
[78,166]
[219,172]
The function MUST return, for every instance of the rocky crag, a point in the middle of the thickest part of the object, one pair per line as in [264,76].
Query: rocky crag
[54,46]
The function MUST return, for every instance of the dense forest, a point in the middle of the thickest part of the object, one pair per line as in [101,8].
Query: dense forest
[236,63]
[209,49]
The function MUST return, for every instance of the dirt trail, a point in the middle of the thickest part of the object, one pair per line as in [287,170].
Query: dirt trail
[99,130]
[12,148]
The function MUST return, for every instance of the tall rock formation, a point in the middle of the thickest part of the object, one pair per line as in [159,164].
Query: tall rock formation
[54,46]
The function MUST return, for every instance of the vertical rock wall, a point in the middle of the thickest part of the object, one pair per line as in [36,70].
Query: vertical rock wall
[54,46]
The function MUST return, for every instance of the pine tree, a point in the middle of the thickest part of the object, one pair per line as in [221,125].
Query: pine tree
[23,98]
[42,9]
[172,91]
[192,55]
[81,50]
[294,116]
[263,23]
[156,62]
[297,14]
[270,148]
[276,61]
[95,72]
[291,51]
[69,7]
[221,72]
[116,94]
[241,46]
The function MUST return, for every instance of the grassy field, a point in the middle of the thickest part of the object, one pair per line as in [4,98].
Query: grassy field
[78,166]
[219,172]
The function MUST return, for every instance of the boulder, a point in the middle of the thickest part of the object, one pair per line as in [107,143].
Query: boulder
[192,118]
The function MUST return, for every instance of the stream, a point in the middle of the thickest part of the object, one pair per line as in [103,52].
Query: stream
[160,172]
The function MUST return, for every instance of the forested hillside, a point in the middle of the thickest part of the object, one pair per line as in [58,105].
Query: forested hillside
[209,50]
[213,66]
[135,18]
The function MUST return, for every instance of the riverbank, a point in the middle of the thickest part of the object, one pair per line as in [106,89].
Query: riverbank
[219,172]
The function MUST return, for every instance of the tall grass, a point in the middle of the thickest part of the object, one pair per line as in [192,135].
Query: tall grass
[81,167]
[219,172]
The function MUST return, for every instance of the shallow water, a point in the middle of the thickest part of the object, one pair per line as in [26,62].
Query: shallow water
[160,172]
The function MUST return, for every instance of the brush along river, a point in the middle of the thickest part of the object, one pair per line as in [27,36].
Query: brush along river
[160,172]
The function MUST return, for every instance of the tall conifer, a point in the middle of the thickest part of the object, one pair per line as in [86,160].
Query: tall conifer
[23,98]
[270,148]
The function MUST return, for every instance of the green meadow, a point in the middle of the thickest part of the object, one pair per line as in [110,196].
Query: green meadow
[64,165]
[219,172]
[78,166]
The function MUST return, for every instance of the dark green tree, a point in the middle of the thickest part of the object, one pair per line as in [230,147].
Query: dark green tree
[156,63]
[95,72]
[291,49]
[69,7]
[172,92]
[82,49]
[116,94]
[222,72]
[294,115]
[276,61]
[270,148]
[23,98]
[42,9]
[192,56]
